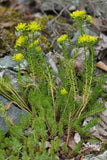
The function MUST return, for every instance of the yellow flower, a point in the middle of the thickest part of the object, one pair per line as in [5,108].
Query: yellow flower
[63,91]
[35,43]
[21,26]
[18,57]
[89,19]
[83,39]
[38,49]
[78,15]
[62,38]
[33,26]
[20,41]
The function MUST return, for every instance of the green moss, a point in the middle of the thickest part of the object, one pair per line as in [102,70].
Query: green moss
[46,46]
[42,21]
[8,19]
[60,20]
[50,17]
[9,15]
[104,146]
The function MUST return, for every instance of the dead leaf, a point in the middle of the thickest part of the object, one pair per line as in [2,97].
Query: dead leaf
[8,24]
[96,22]
[101,65]
[71,142]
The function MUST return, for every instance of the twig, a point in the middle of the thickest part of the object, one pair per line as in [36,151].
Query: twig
[53,8]
[53,20]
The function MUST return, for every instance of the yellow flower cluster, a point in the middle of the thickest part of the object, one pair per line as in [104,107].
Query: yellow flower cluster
[63,91]
[62,38]
[78,15]
[38,49]
[89,19]
[83,39]
[35,43]
[18,57]
[21,26]
[33,26]
[21,40]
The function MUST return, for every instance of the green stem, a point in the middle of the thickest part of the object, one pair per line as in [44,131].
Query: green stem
[88,84]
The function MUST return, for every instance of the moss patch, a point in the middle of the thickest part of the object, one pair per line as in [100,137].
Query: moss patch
[9,15]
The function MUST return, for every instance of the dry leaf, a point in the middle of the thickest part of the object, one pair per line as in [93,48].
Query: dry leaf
[8,24]
[96,22]
[101,65]
[71,142]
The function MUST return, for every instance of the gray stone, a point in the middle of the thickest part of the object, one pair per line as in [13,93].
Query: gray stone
[72,8]
[58,5]
[88,157]
[105,112]
[13,112]
[12,75]
[102,156]
[77,137]
[7,63]
[51,62]
[101,7]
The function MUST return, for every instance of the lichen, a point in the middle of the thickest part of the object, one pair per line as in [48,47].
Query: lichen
[45,44]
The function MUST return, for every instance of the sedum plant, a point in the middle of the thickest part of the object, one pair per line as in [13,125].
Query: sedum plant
[54,110]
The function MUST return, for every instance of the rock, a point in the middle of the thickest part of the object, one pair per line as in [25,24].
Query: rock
[37,15]
[51,62]
[76,2]
[90,9]
[80,58]
[100,130]
[7,63]
[77,137]
[105,88]
[12,75]
[27,131]
[13,112]
[47,145]
[87,120]
[94,146]
[48,5]
[100,8]
[79,52]
[105,112]
[103,43]
[72,8]
[102,156]
[97,49]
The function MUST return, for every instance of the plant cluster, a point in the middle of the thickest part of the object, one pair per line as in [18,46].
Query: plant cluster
[54,110]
